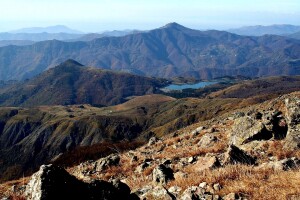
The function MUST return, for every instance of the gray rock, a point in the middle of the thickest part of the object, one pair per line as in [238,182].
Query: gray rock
[207,140]
[143,166]
[104,163]
[293,119]
[191,159]
[235,155]
[217,187]
[285,164]
[158,192]
[203,185]
[192,193]
[152,141]
[247,129]
[175,190]
[197,131]
[231,196]
[208,162]
[52,182]
[162,174]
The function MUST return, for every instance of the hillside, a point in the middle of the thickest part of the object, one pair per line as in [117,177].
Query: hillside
[30,137]
[72,83]
[172,50]
[247,153]
[260,89]
[276,29]
[295,35]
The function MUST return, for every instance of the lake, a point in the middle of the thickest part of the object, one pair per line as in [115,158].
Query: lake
[187,86]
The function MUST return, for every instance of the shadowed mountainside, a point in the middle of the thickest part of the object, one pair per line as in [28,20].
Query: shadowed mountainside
[170,51]
[72,83]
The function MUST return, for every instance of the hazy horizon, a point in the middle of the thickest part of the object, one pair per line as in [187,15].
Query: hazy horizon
[103,15]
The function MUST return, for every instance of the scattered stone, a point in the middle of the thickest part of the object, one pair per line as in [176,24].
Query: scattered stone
[158,192]
[231,196]
[197,131]
[143,166]
[208,162]
[52,182]
[285,164]
[192,193]
[217,187]
[175,190]
[203,185]
[235,155]
[207,140]
[104,163]
[191,159]
[152,141]
[162,174]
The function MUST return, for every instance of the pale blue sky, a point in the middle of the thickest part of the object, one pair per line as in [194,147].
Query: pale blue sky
[99,15]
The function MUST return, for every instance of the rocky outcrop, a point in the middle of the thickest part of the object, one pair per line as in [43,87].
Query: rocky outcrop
[52,182]
[162,174]
[247,129]
[104,163]
[234,155]
[293,119]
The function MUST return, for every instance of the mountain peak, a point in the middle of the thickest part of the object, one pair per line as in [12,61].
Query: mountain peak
[174,25]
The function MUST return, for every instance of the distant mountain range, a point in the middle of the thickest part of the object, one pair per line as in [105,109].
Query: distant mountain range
[295,35]
[27,38]
[278,29]
[39,36]
[4,43]
[71,83]
[115,33]
[169,51]
[49,29]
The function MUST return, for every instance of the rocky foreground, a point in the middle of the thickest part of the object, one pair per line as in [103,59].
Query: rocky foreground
[252,153]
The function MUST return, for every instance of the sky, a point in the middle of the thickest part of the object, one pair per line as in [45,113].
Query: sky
[101,15]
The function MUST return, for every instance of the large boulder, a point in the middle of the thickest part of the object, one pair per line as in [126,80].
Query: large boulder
[159,193]
[104,163]
[162,174]
[247,129]
[52,182]
[208,162]
[235,155]
[293,119]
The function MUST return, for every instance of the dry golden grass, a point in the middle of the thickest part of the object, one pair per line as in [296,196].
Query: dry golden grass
[246,180]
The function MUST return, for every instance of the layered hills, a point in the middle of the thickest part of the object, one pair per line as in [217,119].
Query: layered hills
[276,29]
[71,134]
[72,83]
[172,50]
